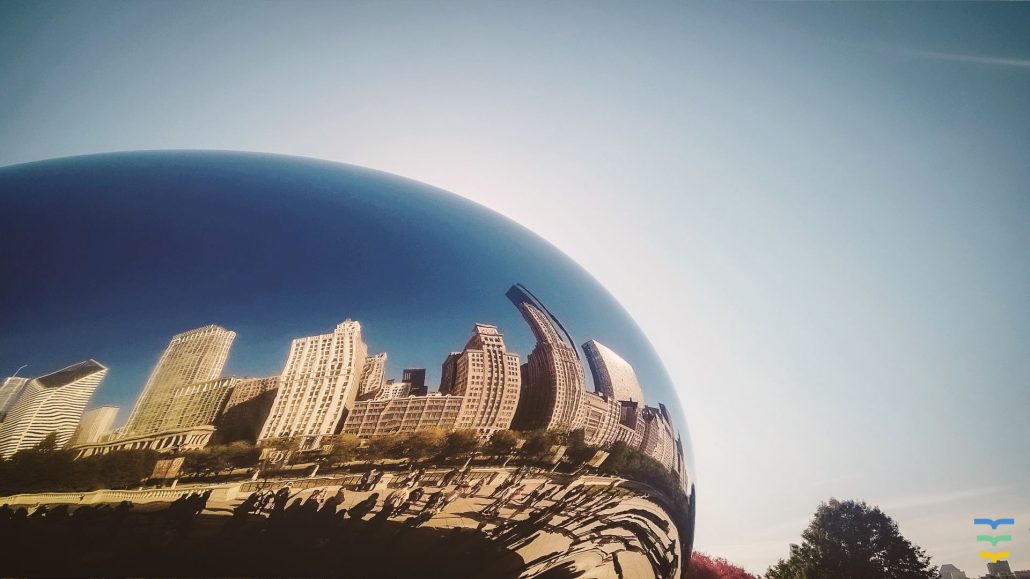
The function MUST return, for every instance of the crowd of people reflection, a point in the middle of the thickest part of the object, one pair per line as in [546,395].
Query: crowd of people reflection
[451,522]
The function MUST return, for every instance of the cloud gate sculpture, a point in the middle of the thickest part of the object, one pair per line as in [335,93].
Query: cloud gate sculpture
[241,364]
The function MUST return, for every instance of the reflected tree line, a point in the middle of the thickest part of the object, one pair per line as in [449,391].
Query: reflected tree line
[50,469]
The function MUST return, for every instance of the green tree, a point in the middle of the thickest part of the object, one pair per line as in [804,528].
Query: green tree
[539,442]
[242,454]
[205,461]
[502,442]
[851,540]
[459,443]
[345,448]
[120,468]
[579,451]
[381,447]
[52,469]
[287,444]
[48,444]
[424,443]
[40,468]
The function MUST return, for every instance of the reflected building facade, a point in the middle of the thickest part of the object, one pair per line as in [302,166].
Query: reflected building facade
[373,374]
[50,404]
[191,357]
[598,416]
[613,376]
[393,389]
[95,424]
[447,372]
[416,379]
[246,409]
[553,380]
[489,380]
[659,440]
[198,404]
[554,395]
[481,393]
[372,418]
[318,387]
[10,390]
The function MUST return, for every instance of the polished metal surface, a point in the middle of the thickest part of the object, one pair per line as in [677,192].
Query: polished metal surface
[434,390]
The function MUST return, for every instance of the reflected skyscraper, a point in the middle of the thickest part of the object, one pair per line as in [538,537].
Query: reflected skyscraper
[416,378]
[373,375]
[318,386]
[659,441]
[481,394]
[198,404]
[393,389]
[489,379]
[552,379]
[247,409]
[94,425]
[9,392]
[50,404]
[447,372]
[598,416]
[613,376]
[191,357]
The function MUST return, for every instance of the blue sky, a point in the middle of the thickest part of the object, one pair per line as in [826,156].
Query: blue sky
[818,213]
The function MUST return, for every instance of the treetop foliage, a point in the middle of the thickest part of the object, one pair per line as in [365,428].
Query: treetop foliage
[48,469]
[851,540]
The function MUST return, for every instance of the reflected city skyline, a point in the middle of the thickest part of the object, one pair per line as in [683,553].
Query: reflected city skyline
[186,393]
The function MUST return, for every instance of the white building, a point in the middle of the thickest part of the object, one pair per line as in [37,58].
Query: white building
[373,375]
[50,404]
[393,389]
[191,357]
[94,425]
[318,386]
[9,392]
[373,418]
[490,380]
[659,440]
[482,383]
[613,376]
[598,416]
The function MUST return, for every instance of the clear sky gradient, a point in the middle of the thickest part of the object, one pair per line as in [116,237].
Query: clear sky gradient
[819,213]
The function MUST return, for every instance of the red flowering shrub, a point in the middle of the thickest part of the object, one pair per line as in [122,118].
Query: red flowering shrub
[707,567]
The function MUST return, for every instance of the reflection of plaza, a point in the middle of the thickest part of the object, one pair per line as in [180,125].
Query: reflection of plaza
[611,527]
[545,524]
